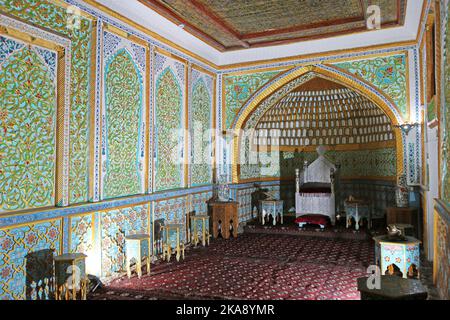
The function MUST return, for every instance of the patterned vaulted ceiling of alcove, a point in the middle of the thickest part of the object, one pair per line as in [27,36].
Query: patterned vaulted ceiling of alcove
[322,112]
[234,24]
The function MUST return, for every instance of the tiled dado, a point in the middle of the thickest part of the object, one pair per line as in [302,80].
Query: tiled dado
[50,213]
[115,225]
[24,252]
[98,230]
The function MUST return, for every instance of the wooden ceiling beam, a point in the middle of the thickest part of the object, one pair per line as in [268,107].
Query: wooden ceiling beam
[293,29]
[312,37]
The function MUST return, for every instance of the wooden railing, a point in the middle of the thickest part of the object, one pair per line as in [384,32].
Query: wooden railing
[441,272]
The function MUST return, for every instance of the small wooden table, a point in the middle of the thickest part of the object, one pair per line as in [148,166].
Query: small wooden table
[393,288]
[358,209]
[137,247]
[404,254]
[171,243]
[273,208]
[70,276]
[200,229]
[224,215]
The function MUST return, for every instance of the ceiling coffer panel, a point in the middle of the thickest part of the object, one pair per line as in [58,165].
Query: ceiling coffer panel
[237,24]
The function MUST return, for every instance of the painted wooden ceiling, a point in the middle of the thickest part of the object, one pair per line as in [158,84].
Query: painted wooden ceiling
[236,24]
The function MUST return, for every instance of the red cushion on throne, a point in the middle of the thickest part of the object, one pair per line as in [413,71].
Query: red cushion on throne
[313,219]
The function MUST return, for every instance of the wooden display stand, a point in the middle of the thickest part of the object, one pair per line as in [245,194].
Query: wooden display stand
[170,244]
[137,247]
[222,214]
[70,276]
[200,229]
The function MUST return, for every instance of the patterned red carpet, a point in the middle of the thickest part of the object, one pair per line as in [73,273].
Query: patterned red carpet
[255,266]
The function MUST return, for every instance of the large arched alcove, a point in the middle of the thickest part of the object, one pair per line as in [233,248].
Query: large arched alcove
[356,133]
[376,107]
[358,127]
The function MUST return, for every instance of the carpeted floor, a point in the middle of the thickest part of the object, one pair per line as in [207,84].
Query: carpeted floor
[255,266]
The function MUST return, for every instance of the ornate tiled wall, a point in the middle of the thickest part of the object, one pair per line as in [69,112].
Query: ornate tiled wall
[201,124]
[93,77]
[379,163]
[393,76]
[69,128]
[244,197]
[19,246]
[81,233]
[443,257]
[365,163]
[442,213]
[124,101]
[28,118]
[115,226]
[173,210]
[46,14]
[389,74]
[238,88]
[198,203]
[248,162]
[169,123]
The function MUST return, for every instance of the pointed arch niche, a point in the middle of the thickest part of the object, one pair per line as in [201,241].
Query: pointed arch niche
[292,104]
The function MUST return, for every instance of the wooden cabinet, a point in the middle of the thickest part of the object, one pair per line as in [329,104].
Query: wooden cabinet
[406,215]
[224,216]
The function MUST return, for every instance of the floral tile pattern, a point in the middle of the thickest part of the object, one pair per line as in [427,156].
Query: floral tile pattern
[199,204]
[169,139]
[115,226]
[238,88]
[28,126]
[388,74]
[124,104]
[18,243]
[81,233]
[47,14]
[173,211]
[201,133]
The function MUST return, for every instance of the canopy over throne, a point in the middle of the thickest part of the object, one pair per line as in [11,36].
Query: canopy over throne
[315,187]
